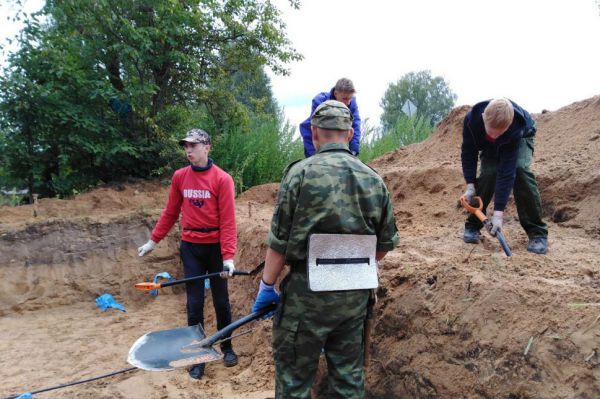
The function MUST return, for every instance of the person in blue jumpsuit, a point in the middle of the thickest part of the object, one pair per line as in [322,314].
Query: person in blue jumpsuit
[343,91]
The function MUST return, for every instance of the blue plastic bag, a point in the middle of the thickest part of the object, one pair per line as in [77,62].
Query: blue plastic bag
[106,301]
[160,275]
[207,284]
[26,395]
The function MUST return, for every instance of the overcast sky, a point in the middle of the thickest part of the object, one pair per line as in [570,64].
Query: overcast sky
[543,54]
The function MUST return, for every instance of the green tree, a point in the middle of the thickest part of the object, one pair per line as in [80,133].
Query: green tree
[55,129]
[432,97]
[253,89]
[101,89]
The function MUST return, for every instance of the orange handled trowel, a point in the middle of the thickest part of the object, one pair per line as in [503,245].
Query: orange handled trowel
[477,211]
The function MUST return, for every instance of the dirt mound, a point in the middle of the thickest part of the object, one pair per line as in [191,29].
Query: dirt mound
[454,320]
[457,318]
[264,194]
[100,204]
[567,163]
[566,159]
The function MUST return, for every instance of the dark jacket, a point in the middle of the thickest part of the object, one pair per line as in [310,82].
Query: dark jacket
[505,149]
[309,148]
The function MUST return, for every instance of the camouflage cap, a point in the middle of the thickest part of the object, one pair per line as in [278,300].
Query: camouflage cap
[332,115]
[197,136]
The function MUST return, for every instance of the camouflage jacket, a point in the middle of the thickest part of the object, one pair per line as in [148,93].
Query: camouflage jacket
[330,192]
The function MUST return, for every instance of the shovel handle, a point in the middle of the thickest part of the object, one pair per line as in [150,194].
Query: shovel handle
[477,211]
[222,333]
[503,242]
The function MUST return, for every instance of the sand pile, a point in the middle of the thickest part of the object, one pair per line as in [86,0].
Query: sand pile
[453,319]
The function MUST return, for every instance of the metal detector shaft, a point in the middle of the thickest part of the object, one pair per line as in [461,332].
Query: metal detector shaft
[154,286]
[203,277]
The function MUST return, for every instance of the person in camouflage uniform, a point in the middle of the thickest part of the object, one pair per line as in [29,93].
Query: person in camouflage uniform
[331,192]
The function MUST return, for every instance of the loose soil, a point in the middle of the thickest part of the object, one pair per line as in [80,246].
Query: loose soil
[453,320]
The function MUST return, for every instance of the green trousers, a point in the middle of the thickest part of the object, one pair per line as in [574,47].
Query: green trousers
[308,323]
[525,191]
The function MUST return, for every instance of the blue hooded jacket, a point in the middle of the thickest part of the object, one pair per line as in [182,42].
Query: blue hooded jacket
[505,149]
[309,148]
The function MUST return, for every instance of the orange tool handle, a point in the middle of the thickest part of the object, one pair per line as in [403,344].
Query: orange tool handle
[154,286]
[477,211]
[147,286]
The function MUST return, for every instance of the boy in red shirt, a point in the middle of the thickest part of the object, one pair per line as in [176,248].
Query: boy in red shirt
[205,194]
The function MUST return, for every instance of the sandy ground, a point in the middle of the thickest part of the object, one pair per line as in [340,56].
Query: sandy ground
[453,320]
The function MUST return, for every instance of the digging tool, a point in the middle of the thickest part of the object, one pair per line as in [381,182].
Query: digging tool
[478,212]
[154,286]
[183,347]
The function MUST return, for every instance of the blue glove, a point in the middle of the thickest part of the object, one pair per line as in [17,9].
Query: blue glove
[156,277]
[266,296]
[106,301]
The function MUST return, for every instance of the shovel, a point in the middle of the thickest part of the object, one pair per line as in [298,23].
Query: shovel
[183,347]
[154,286]
[477,211]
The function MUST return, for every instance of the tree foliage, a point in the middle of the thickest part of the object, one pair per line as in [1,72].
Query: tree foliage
[100,90]
[407,130]
[432,97]
[260,154]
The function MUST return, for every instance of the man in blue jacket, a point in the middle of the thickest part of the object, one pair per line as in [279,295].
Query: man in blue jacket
[502,134]
[343,91]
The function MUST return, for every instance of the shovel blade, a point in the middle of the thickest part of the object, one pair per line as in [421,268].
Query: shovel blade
[162,350]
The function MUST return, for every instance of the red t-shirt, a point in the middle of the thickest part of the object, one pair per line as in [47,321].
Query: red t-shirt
[207,199]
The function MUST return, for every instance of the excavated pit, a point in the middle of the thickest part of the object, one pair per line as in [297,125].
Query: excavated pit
[453,320]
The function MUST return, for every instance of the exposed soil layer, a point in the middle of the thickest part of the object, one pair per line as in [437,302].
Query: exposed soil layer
[453,320]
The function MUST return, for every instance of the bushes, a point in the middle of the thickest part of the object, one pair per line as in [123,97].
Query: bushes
[259,154]
[406,131]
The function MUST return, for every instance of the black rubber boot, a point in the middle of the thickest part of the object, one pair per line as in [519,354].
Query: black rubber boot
[471,235]
[197,371]
[538,245]
[229,358]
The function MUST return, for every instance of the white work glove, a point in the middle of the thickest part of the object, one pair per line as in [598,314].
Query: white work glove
[147,247]
[469,192]
[228,268]
[496,224]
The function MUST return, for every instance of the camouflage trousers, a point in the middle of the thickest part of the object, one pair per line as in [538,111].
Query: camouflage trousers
[307,323]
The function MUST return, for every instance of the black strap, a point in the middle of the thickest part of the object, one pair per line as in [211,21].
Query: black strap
[202,229]
[342,261]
